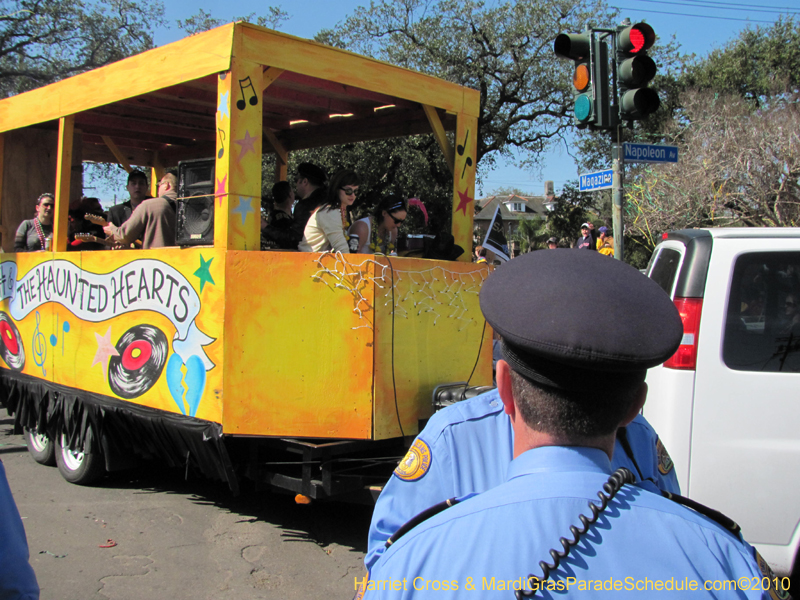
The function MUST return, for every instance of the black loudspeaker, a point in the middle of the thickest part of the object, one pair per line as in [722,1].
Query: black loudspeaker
[195,210]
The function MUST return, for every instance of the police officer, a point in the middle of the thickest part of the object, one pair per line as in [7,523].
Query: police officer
[564,436]
[17,580]
[466,448]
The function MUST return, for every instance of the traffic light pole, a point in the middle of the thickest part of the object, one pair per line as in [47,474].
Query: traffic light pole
[617,182]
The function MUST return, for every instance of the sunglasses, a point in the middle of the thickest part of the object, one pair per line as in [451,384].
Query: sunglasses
[789,303]
[349,191]
[396,220]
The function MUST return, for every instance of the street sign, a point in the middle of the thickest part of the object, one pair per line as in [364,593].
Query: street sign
[650,153]
[596,181]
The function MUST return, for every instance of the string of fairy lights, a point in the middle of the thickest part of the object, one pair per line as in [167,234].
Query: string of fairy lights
[439,291]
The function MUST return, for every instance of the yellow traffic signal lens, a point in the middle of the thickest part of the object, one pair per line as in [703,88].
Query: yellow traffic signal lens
[580,78]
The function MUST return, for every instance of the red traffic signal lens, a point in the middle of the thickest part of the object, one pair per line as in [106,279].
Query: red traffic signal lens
[581,79]
[637,40]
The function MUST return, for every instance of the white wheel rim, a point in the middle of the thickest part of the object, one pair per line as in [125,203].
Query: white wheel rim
[39,441]
[72,460]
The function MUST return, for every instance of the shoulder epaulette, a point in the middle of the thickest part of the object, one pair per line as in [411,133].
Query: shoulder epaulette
[704,510]
[421,517]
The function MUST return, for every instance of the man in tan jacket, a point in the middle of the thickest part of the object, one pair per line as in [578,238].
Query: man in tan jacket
[153,221]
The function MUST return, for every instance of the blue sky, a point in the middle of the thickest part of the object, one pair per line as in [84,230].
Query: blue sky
[698,25]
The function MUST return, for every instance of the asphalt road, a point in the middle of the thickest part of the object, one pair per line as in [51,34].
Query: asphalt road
[171,538]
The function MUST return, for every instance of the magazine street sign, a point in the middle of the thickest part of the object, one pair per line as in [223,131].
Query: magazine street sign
[650,153]
[601,180]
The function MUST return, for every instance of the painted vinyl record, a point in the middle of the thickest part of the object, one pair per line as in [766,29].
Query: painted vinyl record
[142,355]
[11,347]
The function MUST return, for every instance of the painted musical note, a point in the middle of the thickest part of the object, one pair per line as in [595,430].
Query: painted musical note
[461,147]
[54,336]
[240,104]
[39,345]
[221,152]
[467,163]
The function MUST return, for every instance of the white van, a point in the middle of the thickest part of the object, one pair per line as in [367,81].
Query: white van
[727,404]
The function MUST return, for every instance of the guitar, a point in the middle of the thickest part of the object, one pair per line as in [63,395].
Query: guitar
[96,219]
[88,237]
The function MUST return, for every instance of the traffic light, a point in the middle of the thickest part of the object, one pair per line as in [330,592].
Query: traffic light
[577,47]
[589,76]
[635,69]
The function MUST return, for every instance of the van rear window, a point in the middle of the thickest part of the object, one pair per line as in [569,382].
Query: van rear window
[762,329]
[664,268]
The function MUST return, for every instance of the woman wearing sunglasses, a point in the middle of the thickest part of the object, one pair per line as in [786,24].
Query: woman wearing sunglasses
[377,234]
[327,227]
[36,234]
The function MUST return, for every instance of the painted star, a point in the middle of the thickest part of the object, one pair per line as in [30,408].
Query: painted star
[104,348]
[464,202]
[223,108]
[221,188]
[247,144]
[244,208]
[204,272]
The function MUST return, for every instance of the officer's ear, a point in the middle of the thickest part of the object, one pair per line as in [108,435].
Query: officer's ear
[638,403]
[503,376]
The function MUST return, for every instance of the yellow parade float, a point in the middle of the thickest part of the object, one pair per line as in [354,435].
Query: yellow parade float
[268,364]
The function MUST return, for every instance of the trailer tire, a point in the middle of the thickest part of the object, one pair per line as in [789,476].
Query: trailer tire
[78,467]
[40,447]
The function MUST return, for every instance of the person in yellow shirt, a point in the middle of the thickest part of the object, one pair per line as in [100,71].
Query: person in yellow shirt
[605,243]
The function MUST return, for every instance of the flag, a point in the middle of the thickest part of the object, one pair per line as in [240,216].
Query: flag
[495,239]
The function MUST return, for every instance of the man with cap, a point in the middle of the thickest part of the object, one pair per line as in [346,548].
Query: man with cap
[556,347]
[552,243]
[605,243]
[586,241]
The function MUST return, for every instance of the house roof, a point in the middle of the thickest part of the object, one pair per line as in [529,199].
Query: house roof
[534,207]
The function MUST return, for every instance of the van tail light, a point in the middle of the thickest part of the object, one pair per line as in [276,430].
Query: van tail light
[686,356]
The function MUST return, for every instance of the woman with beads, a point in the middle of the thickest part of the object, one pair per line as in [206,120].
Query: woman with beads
[36,234]
[327,228]
[377,234]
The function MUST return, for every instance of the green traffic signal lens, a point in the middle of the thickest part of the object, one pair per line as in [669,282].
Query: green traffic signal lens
[636,104]
[583,108]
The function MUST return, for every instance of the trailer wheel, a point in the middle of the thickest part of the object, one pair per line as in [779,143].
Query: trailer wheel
[40,447]
[78,467]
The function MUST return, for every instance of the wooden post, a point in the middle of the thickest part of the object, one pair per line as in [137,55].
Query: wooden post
[63,174]
[237,185]
[2,162]
[464,182]
[156,173]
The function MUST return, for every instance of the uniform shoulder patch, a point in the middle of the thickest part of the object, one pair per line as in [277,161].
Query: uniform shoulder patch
[415,463]
[774,587]
[665,464]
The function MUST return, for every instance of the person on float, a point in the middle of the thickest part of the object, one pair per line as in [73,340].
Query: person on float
[34,235]
[377,233]
[327,227]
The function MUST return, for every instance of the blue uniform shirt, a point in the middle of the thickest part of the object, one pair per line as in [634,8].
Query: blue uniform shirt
[467,447]
[17,580]
[491,542]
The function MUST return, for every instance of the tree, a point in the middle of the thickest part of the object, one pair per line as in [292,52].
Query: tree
[504,50]
[737,167]
[42,41]
[203,21]
[760,64]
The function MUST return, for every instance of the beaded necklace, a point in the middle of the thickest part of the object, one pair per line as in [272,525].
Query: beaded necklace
[38,226]
[377,245]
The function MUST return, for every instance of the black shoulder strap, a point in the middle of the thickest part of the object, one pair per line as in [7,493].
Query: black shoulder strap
[704,510]
[423,516]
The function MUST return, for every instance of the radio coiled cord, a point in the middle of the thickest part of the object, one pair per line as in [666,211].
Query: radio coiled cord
[615,482]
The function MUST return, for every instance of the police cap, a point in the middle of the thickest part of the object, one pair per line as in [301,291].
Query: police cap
[575,319]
